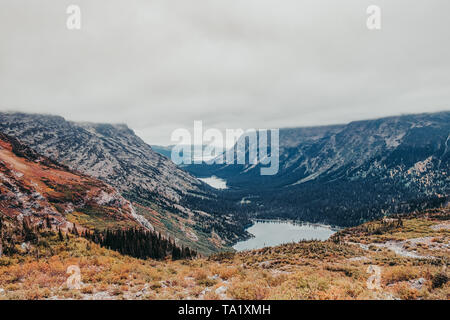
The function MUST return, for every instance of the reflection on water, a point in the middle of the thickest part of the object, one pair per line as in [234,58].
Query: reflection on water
[275,232]
[215,182]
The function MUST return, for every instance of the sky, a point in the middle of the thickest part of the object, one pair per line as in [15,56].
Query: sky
[158,65]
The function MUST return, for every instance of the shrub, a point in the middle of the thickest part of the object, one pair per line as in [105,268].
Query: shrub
[405,292]
[87,289]
[226,272]
[439,279]
[400,273]
[207,282]
[200,275]
[221,256]
[249,290]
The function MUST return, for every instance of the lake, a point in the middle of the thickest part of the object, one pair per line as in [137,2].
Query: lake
[270,233]
[215,182]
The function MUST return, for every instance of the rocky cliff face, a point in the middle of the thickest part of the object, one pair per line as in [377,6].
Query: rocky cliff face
[110,152]
[383,148]
[37,189]
[351,172]
[164,194]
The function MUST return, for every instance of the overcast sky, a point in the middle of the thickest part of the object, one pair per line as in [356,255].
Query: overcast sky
[160,65]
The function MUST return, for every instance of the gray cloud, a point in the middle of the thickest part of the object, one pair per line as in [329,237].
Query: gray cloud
[160,65]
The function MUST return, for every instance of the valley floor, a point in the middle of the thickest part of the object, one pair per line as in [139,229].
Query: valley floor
[394,259]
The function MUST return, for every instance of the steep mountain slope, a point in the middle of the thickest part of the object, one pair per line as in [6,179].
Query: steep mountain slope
[345,174]
[173,200]
[38,190]
[111,152]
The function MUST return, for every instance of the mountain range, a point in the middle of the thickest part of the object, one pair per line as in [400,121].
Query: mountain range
[174,202]
[68,235]
[346,174]
[340,174]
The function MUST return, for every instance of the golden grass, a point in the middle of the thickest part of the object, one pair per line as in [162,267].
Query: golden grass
[306,270]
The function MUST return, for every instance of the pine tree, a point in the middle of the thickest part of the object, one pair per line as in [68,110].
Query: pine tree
[48,223]
[139,243]
[60,235]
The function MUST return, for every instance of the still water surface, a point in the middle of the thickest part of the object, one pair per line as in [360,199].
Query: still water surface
[275,232]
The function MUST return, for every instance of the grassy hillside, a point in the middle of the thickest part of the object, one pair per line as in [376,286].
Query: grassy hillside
[412,254]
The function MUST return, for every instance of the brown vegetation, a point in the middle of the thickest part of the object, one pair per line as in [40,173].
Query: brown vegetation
[334,269]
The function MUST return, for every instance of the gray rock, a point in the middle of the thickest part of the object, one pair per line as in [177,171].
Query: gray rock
[265,264]
[221,290]
[417,283]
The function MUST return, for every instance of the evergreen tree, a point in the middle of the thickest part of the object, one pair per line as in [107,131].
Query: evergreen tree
[60,235]
[140,244]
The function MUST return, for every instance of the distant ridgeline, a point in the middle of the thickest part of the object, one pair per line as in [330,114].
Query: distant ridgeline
[345,174]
